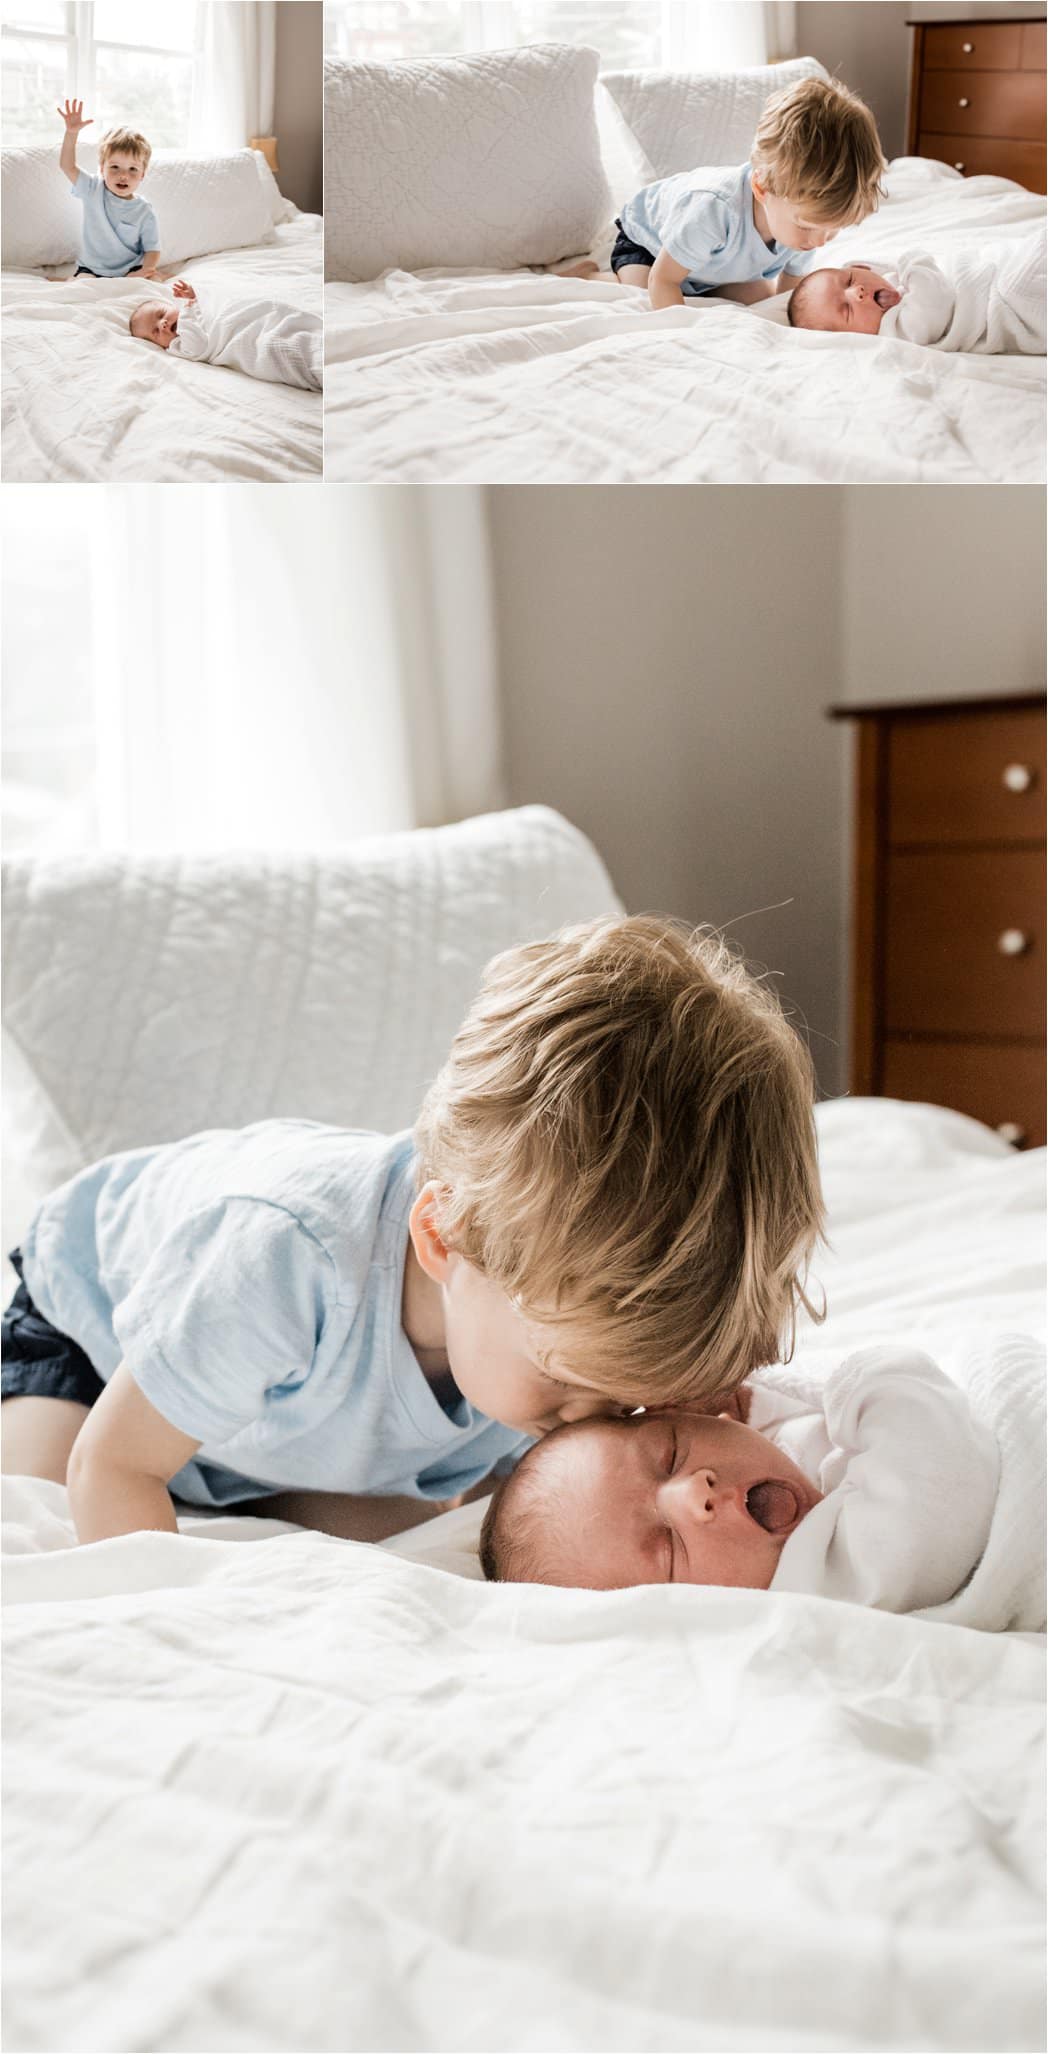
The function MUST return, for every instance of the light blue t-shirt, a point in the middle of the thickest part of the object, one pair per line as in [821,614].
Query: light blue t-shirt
[115,234]
[251,1279]
[705,220]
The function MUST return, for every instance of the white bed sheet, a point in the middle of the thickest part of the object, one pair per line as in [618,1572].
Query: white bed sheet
[84,401]
[304,1795]
[523,377]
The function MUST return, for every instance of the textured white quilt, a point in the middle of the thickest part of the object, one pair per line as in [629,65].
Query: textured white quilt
[525,377]
[84,401]
[301,1795]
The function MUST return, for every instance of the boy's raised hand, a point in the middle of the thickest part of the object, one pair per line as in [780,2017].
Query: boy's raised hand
[73,115]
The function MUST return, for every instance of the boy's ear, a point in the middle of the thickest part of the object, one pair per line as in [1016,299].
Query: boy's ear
[758,187]
[432,1251]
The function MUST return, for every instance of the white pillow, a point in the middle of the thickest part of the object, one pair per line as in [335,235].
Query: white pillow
[202,204]
[684,118]
[148,997]
[490,159]
[41,219]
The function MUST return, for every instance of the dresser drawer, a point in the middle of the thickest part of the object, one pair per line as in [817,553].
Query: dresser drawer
[950,916]
[1034,45]
[984,103]
[1002,1086]
[988,157]
[962,779]
[974,46]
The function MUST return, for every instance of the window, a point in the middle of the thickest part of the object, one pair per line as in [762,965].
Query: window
[630,34]
[127,62]
[49,768]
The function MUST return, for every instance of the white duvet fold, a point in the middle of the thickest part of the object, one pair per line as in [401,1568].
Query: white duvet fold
[263,337]
[987,305]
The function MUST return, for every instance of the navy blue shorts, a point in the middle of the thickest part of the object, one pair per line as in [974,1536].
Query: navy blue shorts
[38,1361]
[627,252]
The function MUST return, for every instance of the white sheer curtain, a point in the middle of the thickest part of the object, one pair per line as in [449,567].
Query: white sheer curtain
[291,669]
[234,81]
[724,35]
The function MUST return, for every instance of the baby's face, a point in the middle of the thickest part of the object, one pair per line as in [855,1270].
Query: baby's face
[668,1497]
[123,175]
[155,321]
[849,297]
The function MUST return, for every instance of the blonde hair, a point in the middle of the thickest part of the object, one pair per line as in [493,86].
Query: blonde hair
[129,141]
[625,1141]
[817,146]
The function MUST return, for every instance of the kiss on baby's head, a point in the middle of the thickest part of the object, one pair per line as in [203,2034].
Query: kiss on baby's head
[839,299]
[663,1497]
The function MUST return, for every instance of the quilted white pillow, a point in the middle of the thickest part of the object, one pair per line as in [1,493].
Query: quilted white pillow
[490,159]
[41,219]
[684,118]
[202,204]
[146,998]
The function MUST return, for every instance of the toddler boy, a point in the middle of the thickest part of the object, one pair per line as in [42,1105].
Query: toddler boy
[880,1489]
[745,231]
[265,338]
[119,230]
[611,1193]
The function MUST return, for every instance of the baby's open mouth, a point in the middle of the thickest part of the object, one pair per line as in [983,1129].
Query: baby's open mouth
[886,296]
[774,1505]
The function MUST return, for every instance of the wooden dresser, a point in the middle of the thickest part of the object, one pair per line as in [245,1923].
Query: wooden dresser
[948,918]
[977,96]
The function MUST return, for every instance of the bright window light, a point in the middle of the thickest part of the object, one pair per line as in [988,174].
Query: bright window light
[130,64]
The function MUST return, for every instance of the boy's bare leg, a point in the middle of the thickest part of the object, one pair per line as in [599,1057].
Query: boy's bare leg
[634,274]
[37,1434]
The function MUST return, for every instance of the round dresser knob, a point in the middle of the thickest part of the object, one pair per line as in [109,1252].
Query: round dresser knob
[958,167]
[1010,1131]
[967,48]
[1017,777]
[1013,942]
[964,103]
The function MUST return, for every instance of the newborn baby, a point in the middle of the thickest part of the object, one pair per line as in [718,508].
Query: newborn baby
[882,1492]
[266,338]
[989,306]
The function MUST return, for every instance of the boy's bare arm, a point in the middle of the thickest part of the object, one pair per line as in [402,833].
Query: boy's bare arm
[149,263]
[72,114]
[356,1518]
[748,291]
[786,280]
[121,1463]
[667,277]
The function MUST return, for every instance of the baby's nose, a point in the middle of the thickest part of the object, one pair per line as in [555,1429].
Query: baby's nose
[697,1493]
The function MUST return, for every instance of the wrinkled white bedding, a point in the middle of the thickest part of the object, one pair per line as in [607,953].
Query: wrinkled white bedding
[302,1795]
[84,401]
[525,377]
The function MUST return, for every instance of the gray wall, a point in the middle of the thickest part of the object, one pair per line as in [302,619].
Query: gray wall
[299,119]
[867,44]
[667,655]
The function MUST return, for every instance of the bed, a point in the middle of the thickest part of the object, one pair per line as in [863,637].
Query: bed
[269,1790]
[83,401]
[508,373]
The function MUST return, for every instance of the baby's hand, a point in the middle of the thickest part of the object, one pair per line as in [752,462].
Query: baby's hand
[183,290]
[73,115]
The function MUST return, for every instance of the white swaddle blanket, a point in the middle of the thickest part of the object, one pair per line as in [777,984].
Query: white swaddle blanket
[1003,1383]
[265,338]
[981,304]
